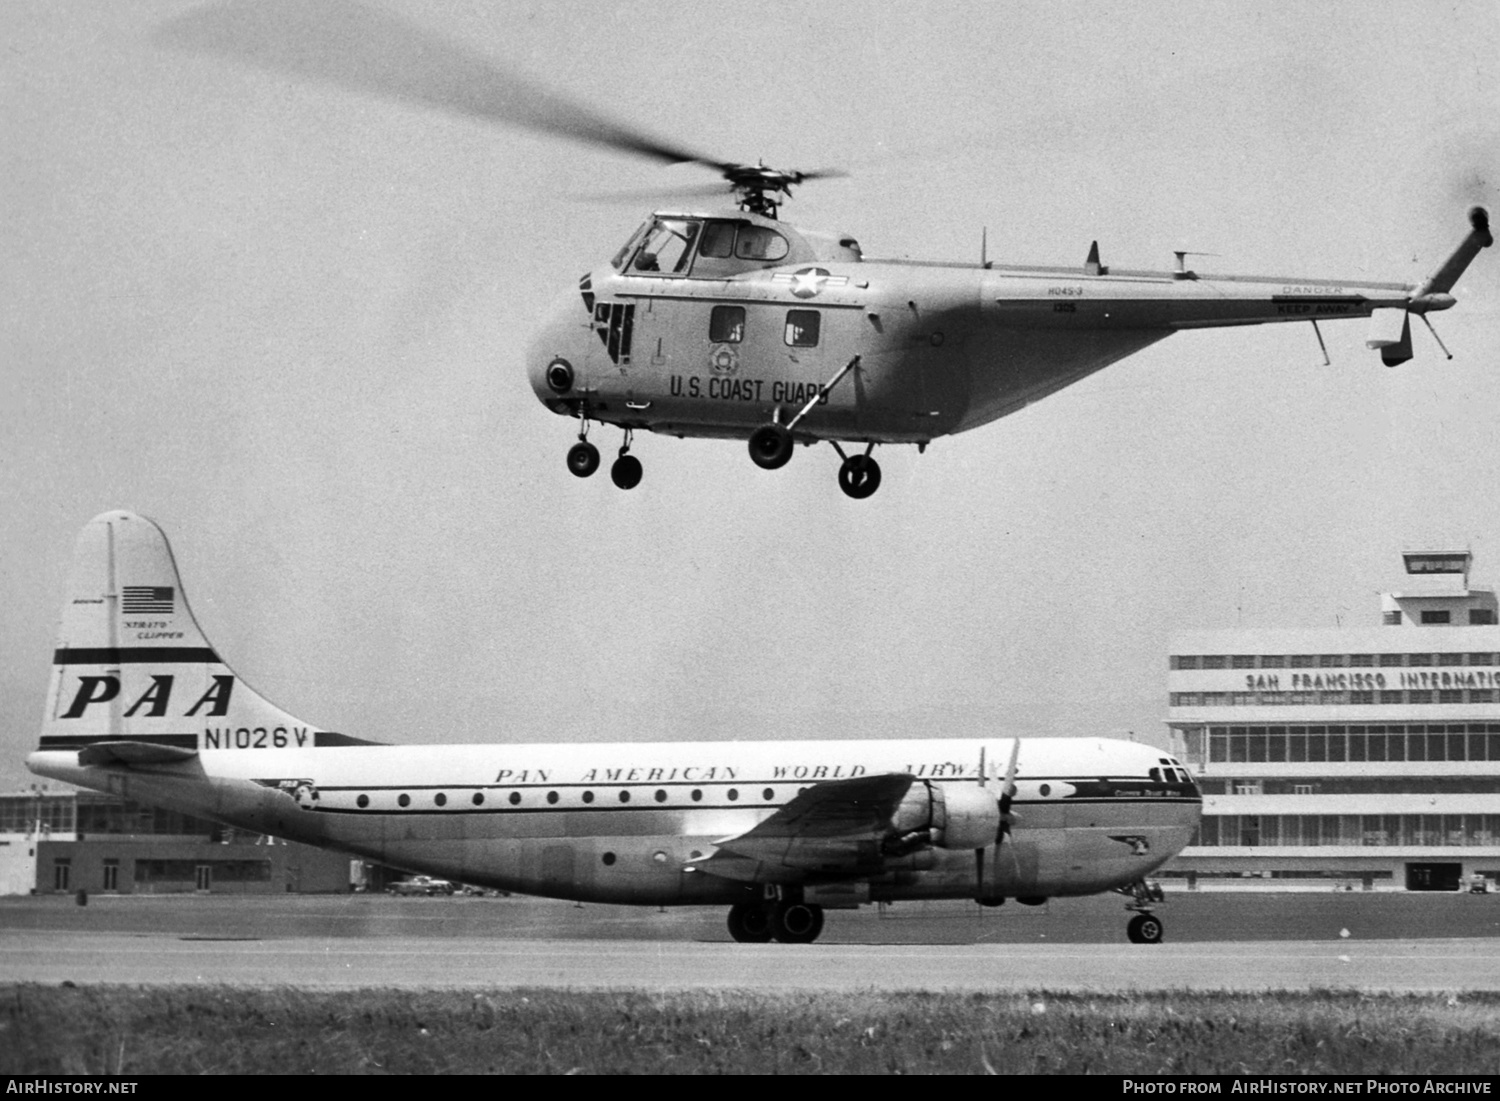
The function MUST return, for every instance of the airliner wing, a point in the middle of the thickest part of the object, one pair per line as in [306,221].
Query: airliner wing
[832,829]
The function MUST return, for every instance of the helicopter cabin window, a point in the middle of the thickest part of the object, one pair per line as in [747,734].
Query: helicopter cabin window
[802,327]
[718,240]
[759,243]
[728,247]
[667,248]
[726,324]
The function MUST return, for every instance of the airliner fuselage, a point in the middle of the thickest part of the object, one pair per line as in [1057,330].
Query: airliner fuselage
[635,823]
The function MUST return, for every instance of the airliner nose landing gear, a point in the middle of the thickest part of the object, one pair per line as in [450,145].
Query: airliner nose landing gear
[626,471]
[1145,927]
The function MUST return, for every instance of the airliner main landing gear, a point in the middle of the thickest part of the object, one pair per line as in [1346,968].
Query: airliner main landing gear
[787,922]
[1145,927]
[750,922]
[796,922]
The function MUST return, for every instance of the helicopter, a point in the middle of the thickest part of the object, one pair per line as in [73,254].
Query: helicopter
[724,321]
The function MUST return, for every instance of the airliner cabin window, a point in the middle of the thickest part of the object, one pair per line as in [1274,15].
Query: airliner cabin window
[726,324]
[802,328]
[667,248]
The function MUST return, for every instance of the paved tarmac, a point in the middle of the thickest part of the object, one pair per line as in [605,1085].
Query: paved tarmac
[1371,942]
[457,963]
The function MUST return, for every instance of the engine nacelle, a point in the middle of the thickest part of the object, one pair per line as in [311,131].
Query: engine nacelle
[950,816]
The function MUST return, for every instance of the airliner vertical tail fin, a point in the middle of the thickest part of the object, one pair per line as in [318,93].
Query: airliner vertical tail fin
[132,668]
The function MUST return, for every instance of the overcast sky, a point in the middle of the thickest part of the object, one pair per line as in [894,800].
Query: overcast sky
[287,322]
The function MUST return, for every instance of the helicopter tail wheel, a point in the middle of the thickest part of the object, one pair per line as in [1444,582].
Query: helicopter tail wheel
[770,446]
[750,923]
[1144,929]
[626,472]
[796,922]
[583,459]
[859,476]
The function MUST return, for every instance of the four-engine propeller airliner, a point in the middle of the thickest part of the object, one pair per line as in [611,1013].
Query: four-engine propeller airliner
[141,705]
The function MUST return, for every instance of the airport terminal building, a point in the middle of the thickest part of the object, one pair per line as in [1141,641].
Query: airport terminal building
[1369,757]
[66,841]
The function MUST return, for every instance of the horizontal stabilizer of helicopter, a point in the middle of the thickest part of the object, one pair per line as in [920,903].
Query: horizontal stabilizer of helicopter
[1390,331]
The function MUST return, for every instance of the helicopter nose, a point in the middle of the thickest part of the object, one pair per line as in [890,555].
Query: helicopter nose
[555,357]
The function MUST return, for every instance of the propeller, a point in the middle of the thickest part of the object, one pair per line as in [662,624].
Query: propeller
[1006,797]
[360,49]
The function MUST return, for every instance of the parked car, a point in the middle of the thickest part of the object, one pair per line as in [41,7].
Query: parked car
[421,885]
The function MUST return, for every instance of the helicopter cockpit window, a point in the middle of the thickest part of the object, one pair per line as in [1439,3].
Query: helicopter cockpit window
[802,328]
[667,248]
[628,250]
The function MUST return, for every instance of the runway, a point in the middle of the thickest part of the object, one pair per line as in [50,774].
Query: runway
[456,963]
[1269,942]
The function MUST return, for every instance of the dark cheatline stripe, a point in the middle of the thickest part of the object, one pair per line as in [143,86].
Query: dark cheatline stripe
[1319,299]
[78,741]
[328,739]
[134,655]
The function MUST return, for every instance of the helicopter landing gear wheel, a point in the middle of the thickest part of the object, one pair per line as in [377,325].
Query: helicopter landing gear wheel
[1144,929]
[796,922]
[770,446]
[583,459]
[859,476]
[750,923]
[625,472]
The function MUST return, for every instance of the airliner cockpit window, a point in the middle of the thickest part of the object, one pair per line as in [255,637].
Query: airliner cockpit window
[667,248]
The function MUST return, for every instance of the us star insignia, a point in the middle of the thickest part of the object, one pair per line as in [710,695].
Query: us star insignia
[807,282]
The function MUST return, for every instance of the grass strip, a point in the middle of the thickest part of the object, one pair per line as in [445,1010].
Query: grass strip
[230,1030]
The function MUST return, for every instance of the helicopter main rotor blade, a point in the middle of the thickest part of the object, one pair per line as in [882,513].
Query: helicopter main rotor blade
[707,191]
[363,50]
